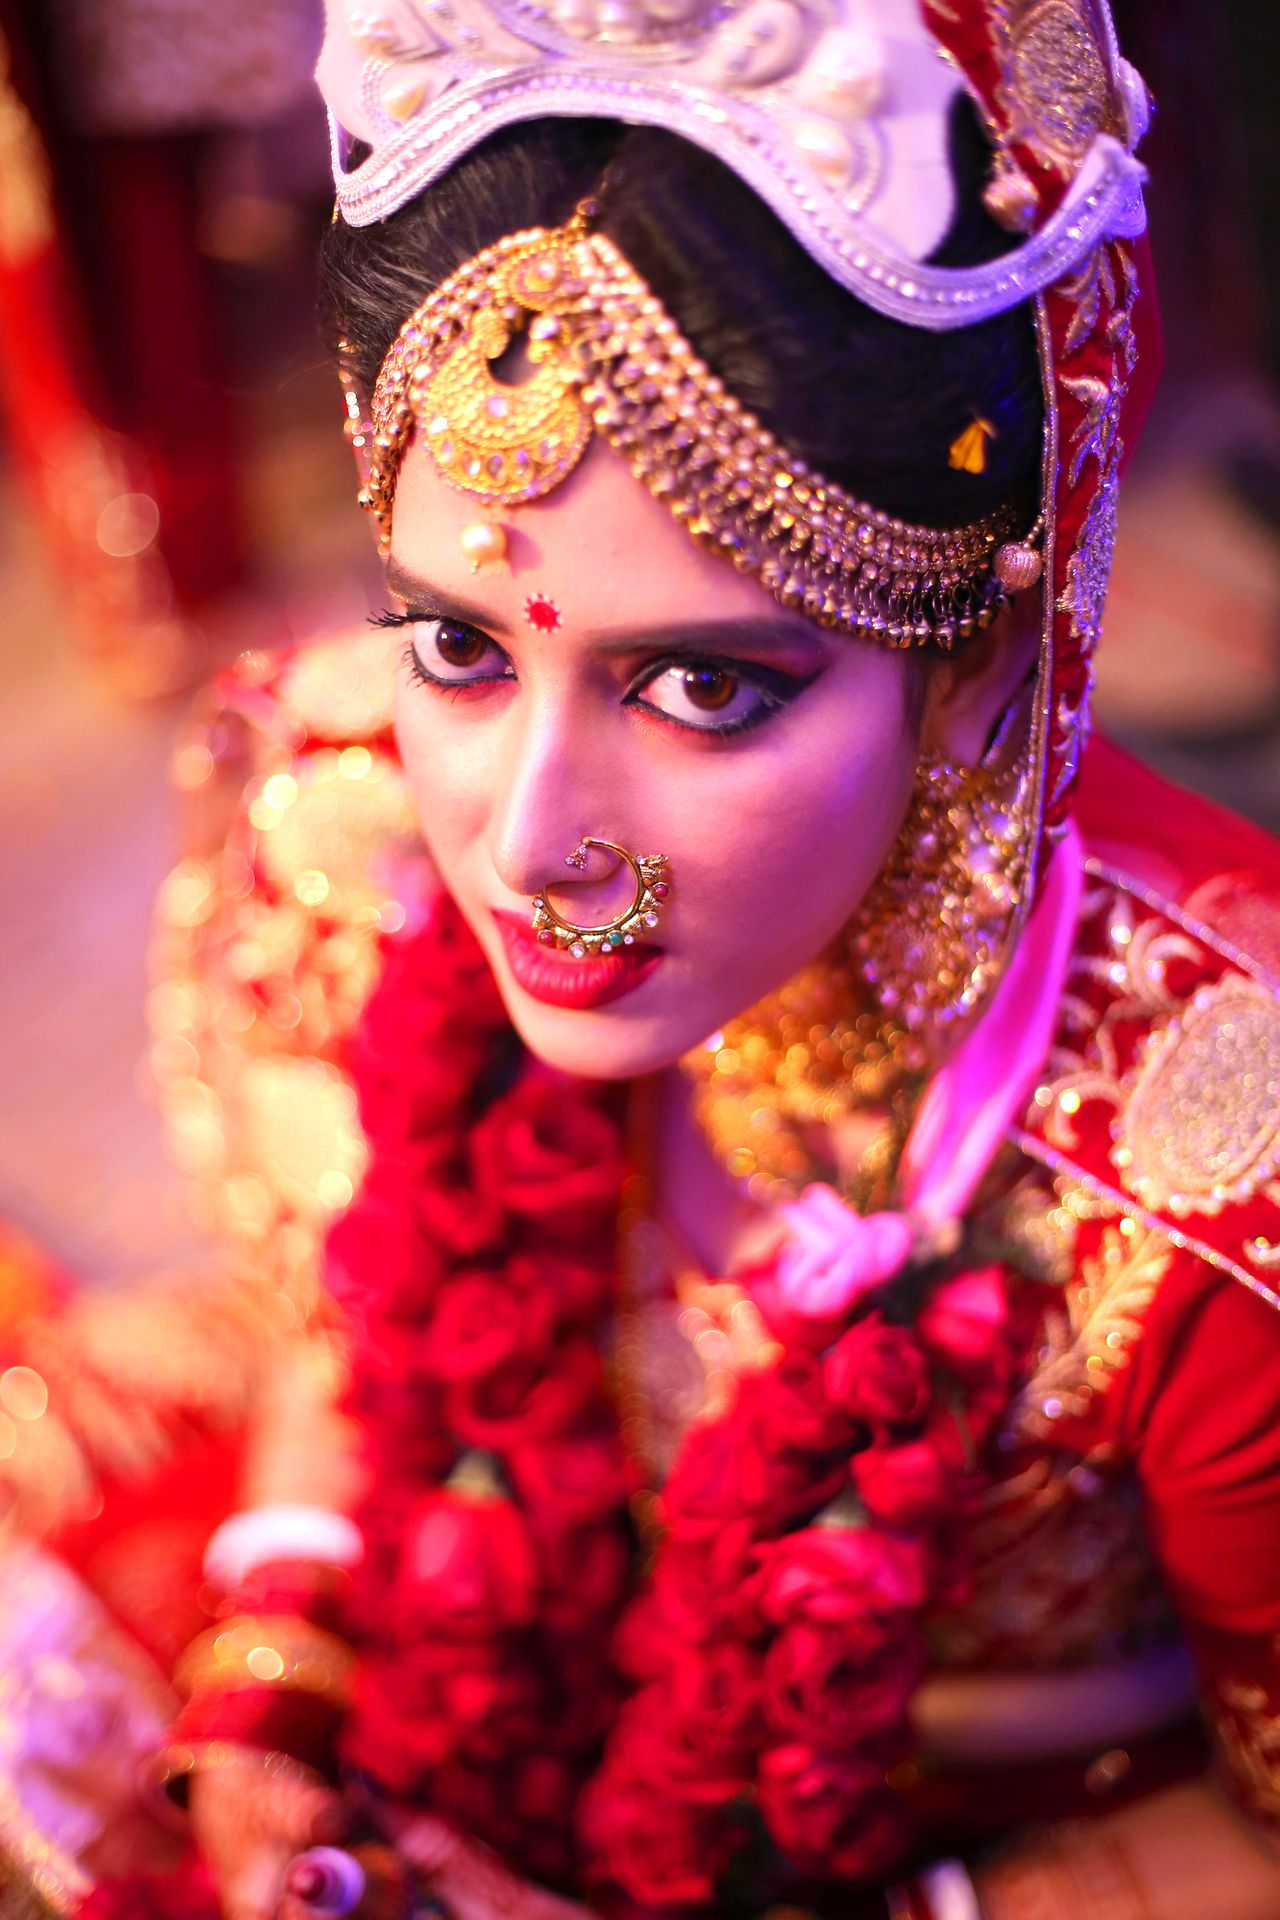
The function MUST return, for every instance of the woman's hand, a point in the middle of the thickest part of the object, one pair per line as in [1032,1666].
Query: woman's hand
[249,1822]
[468,1878]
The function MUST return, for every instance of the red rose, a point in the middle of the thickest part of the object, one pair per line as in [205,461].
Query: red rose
[905,1486]
[526,1402]
[692,1733]
[376,1260]
[450,1215]
[579,1676]
[858,1579]
[403,1428]
[491,1700]
[820,1687]
[418,1046]
[879,1376]
[467,1567]
[585,1572]
[965,1322]
[798,1332]
[549,1157]
[396,1729]
[436,1702]
[482,1320]
[733,1469]
[702,1589]
[797,1408]
[573,1479]
[660,1851]
[832,1816]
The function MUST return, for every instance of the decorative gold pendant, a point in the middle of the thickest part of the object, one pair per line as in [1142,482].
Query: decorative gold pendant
[510,442]
[651,887]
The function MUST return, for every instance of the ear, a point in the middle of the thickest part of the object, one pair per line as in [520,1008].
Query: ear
[968,696]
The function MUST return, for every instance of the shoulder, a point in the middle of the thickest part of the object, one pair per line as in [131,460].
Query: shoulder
[303,854]
[1160,1103]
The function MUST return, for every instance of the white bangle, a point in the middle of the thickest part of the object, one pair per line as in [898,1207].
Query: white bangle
[261,1534]
[950,1892]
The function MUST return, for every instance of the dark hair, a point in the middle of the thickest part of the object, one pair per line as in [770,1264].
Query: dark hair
[870,402]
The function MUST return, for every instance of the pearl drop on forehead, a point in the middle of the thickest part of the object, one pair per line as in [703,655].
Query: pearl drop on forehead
[484,544]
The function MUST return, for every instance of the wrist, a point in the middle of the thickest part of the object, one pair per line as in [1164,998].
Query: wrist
[274,1682]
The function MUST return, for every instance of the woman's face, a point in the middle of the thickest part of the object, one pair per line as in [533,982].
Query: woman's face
[616,681]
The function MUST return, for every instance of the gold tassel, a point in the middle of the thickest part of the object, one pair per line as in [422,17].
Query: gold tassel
[969,451]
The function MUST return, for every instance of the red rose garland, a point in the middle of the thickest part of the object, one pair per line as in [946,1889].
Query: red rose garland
[751,1697]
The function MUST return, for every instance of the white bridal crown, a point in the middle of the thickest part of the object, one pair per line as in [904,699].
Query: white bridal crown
[835,111]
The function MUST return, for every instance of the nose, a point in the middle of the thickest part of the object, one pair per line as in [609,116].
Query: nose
[557,785]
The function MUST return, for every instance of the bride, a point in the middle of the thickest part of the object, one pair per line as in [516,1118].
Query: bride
[808,1305]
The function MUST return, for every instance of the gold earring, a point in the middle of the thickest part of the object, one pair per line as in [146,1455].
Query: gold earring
[931,934]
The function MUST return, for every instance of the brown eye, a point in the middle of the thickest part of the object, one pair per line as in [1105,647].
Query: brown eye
[709,688]
[460,646]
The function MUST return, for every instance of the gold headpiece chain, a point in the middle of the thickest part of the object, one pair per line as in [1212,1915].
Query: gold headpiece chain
[603,356]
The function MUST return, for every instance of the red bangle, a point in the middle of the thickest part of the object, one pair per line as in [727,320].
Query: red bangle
[315,1593]
[302,1725]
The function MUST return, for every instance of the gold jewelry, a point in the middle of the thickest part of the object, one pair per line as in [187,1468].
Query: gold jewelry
[168,1774]
[273,1650]
[1019,563]
[968,451]
[931,934]
[770,1083]
[604,356]
[651,882]
[484,544]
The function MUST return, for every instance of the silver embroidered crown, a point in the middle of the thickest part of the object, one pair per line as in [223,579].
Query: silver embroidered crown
[836,112]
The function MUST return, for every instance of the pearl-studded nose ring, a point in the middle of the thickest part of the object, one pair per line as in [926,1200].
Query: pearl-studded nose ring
[651,887]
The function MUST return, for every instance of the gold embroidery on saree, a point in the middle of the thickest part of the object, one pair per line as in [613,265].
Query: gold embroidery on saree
[1087,1343]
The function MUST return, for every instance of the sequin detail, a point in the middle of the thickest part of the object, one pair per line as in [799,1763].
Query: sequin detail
[1056,91]
[1201,1126]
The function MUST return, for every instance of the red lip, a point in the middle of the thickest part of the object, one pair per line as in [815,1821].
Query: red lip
[548,975]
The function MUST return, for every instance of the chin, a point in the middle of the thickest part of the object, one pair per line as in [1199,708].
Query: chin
[600,1044]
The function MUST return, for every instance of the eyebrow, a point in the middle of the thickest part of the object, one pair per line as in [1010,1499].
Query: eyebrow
[419,593]
[746,635]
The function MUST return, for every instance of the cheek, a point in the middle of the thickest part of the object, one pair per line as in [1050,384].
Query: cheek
[450,774]
[798,829]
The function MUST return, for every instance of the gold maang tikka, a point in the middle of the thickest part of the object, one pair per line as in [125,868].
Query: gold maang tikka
[603,356]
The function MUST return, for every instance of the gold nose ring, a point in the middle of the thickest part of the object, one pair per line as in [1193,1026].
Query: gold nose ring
[652,885]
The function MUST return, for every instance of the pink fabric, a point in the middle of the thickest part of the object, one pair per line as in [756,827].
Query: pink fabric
[833,1256]
[972,1100]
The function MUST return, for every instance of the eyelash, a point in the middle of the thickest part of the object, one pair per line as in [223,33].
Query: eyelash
[776,690]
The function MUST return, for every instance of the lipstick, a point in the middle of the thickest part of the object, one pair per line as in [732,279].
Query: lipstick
[557,980]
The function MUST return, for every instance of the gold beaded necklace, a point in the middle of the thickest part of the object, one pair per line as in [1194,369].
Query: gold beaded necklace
[774,1086]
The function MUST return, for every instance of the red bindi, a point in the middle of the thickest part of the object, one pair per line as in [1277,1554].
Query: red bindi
[542,613]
